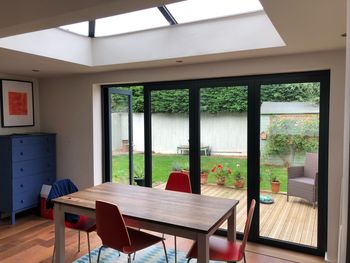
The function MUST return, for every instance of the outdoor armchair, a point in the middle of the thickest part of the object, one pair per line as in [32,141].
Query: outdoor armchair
[302,180]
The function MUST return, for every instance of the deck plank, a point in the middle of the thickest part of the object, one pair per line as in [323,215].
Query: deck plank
[294,221]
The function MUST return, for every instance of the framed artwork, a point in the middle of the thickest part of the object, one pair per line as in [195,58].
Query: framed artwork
[17,103]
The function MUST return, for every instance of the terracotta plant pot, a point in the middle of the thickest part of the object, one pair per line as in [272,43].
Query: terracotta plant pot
[275,187]
[204,178]
[221,181]
[238,183]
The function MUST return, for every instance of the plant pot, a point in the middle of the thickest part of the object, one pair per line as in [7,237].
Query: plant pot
[238,183]
[204,178]
[221,181]
[275,187]
[139,181]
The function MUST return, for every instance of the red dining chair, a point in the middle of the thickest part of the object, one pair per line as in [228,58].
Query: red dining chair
[79,223]
[221,249]
[179,182]
[114,234]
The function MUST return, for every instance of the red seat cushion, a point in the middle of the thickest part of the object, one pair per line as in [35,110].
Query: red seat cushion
[140,240]
[84,224]
[220,249]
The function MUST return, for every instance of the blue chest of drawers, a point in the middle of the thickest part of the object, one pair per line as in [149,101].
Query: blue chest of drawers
[26,163]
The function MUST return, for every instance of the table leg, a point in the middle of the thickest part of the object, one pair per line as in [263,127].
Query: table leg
[203,248]
[231,226]
[59,233]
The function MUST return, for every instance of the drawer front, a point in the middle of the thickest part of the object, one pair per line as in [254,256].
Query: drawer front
[25,199]
[32,140]
[33,167]
[32,183]
[32,152]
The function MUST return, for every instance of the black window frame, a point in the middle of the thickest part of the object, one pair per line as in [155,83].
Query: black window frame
[253,83]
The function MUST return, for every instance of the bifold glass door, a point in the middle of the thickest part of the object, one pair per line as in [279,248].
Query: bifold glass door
[125,151]
[289,147]
[244,138]
[223,133]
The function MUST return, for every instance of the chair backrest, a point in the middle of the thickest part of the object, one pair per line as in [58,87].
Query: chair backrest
[247,226]
[61,188]
[110,226]
[179,182]
[311,165]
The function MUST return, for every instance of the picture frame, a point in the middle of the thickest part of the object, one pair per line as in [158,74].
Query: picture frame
[17,103]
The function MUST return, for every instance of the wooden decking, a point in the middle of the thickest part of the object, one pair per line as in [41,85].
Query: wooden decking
[294,221]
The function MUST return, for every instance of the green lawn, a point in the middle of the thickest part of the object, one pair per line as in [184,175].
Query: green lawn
[162,166]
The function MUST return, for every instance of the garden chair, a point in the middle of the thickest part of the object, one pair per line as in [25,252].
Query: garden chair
[302,180]
[222,249]
[115,234]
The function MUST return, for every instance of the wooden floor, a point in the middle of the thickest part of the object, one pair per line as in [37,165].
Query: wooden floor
[31,241]
[294,221]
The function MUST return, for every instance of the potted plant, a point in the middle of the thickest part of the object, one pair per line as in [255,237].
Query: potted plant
[176,167]
[238,180]
[221,173]
[275,184]
[204,176]
[139,176]
[185,168]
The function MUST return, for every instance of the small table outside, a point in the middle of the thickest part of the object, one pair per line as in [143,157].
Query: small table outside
[182,149]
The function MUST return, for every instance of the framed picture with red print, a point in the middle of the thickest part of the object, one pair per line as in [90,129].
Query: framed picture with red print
[17,103]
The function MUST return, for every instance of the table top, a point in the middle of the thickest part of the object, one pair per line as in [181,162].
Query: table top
[196,212]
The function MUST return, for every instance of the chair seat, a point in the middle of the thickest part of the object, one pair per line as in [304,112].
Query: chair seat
[139,240]
[85,224]
[220,249]
[303,181]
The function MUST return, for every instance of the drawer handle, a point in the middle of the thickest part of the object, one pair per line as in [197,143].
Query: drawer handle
[21,141]
[21,153]
[21,169]
[22,201]
[21,185]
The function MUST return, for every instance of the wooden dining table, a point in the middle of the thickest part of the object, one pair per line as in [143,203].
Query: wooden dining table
[191,216]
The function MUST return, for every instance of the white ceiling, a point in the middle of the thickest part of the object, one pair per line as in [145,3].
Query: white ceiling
[304,25]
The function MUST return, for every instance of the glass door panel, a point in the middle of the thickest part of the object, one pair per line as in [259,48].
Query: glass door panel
[289,142]
[170,134]
[127,144]
[223,129]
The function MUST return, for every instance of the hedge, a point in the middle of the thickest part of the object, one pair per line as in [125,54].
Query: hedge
[221,99]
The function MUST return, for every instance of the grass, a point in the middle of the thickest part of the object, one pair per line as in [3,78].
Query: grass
[162,166]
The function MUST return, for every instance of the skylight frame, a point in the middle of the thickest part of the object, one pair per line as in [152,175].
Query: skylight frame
[172,19]
[140,20]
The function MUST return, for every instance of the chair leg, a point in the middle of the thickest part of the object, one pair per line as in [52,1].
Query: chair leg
[78,240]
[134,256]
[175,249]
[166,255]
[53,255]
[99,254]
[245,261]
[189,260]
[88,240]
[287,198]
[129,258]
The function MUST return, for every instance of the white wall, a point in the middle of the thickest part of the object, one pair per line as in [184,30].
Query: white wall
[344,228]
[223,133]
[69,107]
[36,126]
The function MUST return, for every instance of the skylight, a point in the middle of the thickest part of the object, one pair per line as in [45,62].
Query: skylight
[129,22]
[81,28]
[195,10]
